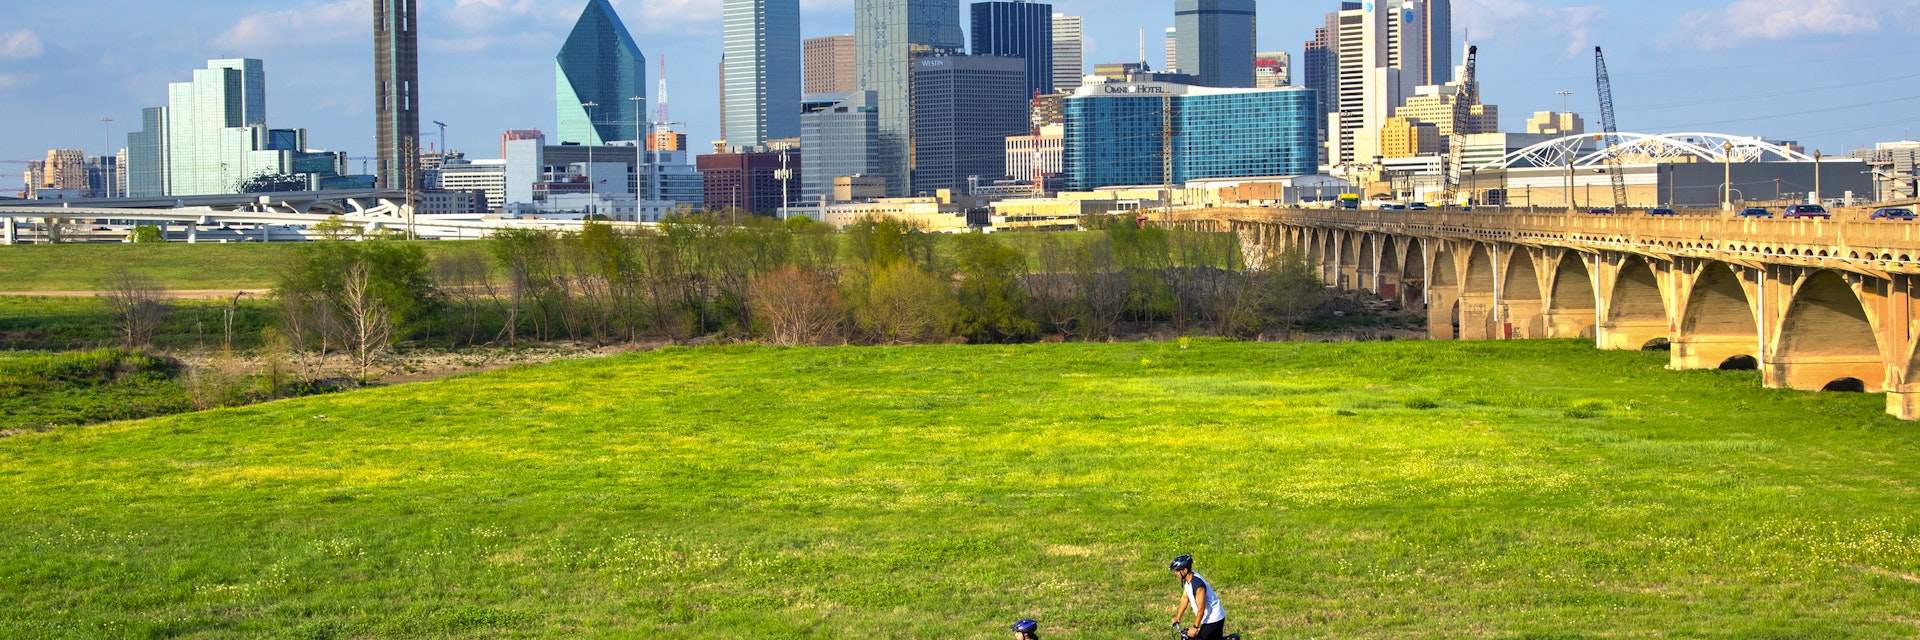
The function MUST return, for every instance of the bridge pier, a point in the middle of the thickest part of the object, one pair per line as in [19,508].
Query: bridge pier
[9,234]
[193,233]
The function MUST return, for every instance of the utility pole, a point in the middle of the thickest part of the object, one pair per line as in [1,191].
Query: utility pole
[784,174]
[107,123]
[1817,199]
[593,189]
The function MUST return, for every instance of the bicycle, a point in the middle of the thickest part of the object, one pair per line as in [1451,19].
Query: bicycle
[1180,633]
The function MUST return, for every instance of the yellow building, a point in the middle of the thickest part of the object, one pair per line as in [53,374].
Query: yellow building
[1556,124]
[1404,137]
[1447,108]
[942,212]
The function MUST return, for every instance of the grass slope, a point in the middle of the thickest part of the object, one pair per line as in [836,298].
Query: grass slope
[1331,491]
[187,267]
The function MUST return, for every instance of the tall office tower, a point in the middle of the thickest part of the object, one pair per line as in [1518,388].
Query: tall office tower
[1119,134]
[599,64]
[829,65]
[763,70]
[1272,70]
[1017,29]
[722,84]
[840,133]
[396,80]
[964,108]
[1216,41]
[212,138]
[1382,57]
[519,134]
[1069,53]
[1172,64]
[64,170]
[1439,38]
[888,36]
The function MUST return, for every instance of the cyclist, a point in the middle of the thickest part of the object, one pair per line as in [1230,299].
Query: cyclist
[1209,618]
[1026,630]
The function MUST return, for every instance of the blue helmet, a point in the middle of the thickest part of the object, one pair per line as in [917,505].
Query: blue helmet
[1026,626]
[1182,562]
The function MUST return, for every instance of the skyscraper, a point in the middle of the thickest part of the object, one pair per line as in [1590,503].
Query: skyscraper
[964,107]
[212,138]
[1118,134]
[762,70]
[1172,64]
[840,134]
[1382,59]
[1216,41]
[396,111]
[1017,29]
[599,64]
[1069,53]
[1439,40]
[1320,69]
[829,64]
[888,36]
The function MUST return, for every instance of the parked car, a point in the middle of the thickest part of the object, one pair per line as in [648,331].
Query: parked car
[1756,212]
[1893,213]
[1662,211]
[1418,206]
[1807,211]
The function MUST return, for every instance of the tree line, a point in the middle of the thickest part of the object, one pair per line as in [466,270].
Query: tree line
[794,282]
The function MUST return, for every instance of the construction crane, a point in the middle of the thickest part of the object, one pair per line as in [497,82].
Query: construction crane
[1457,141]
[1612,131]
[443,135]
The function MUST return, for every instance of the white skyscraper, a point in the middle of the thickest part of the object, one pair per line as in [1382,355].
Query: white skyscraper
[1382,59]
[1069,62]
[762,70]
[1173,51]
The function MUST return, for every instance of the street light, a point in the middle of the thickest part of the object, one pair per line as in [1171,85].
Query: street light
[592,132]
[1726,160]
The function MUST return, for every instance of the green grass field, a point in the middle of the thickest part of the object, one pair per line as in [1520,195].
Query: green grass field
[1379,490]
[179,266]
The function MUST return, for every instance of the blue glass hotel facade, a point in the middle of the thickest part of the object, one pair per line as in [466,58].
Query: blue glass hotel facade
[1116,134]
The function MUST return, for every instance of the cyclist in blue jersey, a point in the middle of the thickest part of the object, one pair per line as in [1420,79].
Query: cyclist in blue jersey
[1209,618]
[1026,630]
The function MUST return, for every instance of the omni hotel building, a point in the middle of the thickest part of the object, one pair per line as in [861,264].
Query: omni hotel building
[1117,133]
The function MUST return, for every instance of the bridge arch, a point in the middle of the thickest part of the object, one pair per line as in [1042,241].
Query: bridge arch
[1478,295]
[1443,292]
[1827,336]
[1571,309]
[1521,296]
[1413,273]
[1717,328]
[1368,258]
[1390,281]
[1636,313]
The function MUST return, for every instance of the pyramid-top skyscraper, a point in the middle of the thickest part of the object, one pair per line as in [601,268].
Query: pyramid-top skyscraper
[599,64]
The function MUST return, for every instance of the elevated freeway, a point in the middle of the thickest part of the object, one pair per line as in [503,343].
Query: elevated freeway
[1812,304]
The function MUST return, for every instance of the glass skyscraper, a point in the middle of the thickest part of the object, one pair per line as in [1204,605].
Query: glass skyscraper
[212,138]
[762,70]
[1017,30]
[888,35]
[1216,41]
[1116,134]
[599,64]
[840,133]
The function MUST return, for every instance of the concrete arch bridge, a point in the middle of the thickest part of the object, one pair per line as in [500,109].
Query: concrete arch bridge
[1814,305]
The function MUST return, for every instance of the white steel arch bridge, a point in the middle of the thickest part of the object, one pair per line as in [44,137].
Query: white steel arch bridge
[1578,151]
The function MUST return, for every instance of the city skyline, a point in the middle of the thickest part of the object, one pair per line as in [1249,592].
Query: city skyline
[481,64]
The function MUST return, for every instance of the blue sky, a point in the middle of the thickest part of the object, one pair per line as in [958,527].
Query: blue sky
[1832,74]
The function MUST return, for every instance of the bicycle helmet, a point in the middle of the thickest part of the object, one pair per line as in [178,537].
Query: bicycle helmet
[1026,626]
[1182,562]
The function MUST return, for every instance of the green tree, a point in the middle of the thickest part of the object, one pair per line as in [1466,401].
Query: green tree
[992,303]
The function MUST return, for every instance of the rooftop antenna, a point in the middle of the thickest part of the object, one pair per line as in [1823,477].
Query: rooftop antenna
[661,118]
[1143,48]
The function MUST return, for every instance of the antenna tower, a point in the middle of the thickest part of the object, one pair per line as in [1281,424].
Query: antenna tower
[660,118]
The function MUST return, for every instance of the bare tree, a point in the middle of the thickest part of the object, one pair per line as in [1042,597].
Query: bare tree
[134,302]
[797,306]
[365,324]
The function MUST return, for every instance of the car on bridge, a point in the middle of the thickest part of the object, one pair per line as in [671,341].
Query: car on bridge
[1600,211]
[1417,206]
[1807,211]
[1893,213]
[1662,211]
[1755,212]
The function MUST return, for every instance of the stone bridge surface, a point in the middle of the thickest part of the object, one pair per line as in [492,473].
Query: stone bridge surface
[1813,304]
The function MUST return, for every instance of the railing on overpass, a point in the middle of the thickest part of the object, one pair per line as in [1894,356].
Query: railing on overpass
[1870,247]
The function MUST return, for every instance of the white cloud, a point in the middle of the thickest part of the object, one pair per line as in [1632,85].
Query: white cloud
[1745,20]
[11,80]
[21,45]
[1497,20]
[311,24]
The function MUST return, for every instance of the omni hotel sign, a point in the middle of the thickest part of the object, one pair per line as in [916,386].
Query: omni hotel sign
[1119,89]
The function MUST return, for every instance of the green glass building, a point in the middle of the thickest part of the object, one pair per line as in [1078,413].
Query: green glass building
[599,64]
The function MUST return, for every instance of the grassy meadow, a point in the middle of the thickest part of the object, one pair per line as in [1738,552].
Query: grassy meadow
[179,266]
[1377,490]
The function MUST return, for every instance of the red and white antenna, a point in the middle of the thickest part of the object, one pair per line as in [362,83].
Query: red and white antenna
[660,118]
